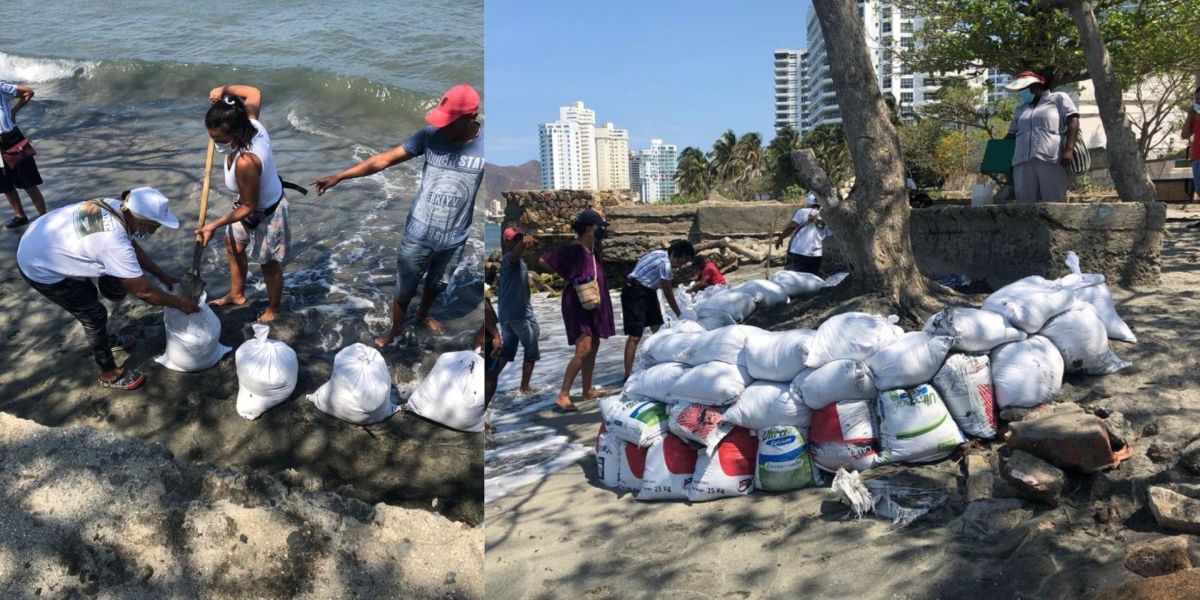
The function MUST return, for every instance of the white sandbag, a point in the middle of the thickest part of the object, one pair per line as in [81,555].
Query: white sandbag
[452,392]
[637,421]
[914,359]
[766,403]
[1081,338]
[687,309]
[619,463]
[721,345]
[360,388]
[655,382]
[765,293]
[776,356]
[1026,373]
[699,423]
[803,284]
[733,304]
[664,346]
[1028,303]
[965,384]
[834,382]
[728,471]
[670,467]
[852,335]
[914,426]
[193,341]
[1092,289]
[844,435]
[715,383]
[709,292]
[712,322]
[266,372]
[974,330]
[783,460]
[687,326]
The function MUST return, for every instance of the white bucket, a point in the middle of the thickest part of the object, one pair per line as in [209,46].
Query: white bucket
[981,194]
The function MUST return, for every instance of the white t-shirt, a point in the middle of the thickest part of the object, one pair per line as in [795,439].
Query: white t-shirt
[77,241]
[810,239]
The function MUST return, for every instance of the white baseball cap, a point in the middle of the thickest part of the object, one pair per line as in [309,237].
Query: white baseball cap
[149,203]
[810,200]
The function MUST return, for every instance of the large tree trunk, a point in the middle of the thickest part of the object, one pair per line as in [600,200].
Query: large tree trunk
[1127,164]
[871,224]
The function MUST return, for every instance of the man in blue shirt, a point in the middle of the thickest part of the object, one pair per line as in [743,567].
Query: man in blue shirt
[517,323]
[439,220]
[639,297]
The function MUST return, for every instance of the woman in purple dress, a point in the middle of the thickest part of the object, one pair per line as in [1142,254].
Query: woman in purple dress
[578,262]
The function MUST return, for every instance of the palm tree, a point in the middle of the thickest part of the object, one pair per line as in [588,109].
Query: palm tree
[721,154]
[694,174]
[745,163]
[779,160]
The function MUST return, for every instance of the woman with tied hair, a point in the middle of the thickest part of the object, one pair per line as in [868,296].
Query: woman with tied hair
[257,227]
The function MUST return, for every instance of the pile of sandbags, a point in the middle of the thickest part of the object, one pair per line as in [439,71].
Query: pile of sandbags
[720,306]
[750,408]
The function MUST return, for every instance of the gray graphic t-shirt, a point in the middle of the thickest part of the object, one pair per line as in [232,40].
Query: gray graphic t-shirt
[440,217]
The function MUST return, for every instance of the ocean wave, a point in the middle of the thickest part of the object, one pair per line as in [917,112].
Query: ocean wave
[26,69]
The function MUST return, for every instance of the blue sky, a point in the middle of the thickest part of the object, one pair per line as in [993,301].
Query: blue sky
[680,71]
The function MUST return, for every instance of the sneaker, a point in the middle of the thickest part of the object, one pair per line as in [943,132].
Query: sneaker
[129,380]
[16,222]
[122,342]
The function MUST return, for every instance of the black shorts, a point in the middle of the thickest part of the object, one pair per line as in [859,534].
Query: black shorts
[803,264]
[26,174]
[639,308]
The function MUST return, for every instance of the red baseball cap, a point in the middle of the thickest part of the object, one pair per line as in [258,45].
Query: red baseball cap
[459,100]
[1025,79]
[511,234]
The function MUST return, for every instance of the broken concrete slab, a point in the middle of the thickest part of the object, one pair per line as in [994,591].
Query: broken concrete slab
[1176,586]
[1175,506]
[1159,556]
[988,519]
[1067,438]
[1033,477]
[979,477]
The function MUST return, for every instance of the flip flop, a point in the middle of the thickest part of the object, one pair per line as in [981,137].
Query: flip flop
[16,222]
[129,380]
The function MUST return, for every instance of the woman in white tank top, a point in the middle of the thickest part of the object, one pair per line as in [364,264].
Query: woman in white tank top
[257,227]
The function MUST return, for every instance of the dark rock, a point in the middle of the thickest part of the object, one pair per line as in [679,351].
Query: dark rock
[1179,585]
[1151,429]
[1160,453]
[1120,433]
[1158,557]
[1189,459]
[1033,477]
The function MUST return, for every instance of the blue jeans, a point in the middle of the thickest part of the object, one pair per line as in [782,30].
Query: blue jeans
[416,263]
[525,331]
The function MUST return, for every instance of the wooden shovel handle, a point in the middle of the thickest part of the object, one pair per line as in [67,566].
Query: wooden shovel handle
[208,161]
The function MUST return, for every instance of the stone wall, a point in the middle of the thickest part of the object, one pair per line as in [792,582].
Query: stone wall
[998,244]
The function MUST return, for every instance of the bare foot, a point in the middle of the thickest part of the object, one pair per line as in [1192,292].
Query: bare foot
[434,325]
[386,339]
[564,402]
[228,300]
[268,315]
[525,391]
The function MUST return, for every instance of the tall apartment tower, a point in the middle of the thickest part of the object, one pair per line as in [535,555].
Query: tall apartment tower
[635,175]
[585,118]
[789,102]
[559,149]
[612,158]
[657,177]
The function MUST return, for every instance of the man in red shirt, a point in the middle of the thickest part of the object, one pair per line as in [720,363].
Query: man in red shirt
[1191,129]
[709,274]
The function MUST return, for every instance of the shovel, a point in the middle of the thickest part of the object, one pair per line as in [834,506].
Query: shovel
[192,285]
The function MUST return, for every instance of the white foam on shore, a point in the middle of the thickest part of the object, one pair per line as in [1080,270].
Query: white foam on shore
[24,69]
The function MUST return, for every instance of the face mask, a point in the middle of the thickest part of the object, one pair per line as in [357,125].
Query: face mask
[1196,107]
[225,148]
[1026,96]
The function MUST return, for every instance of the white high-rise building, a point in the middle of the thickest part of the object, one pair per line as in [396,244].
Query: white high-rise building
[789,102]
[585,118]
[635,175]
[657,171]
[559,151]
[889,32]
[612,158]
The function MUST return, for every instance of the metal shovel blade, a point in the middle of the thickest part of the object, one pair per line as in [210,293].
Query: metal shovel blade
[192,284]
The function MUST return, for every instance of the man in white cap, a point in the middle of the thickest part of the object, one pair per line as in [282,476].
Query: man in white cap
[65,250]
[1045,127]
[439,220]
[808,233]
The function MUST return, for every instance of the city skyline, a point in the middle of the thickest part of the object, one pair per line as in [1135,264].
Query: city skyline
[542,59]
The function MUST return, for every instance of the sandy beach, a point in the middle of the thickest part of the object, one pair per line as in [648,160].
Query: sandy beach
[566,535]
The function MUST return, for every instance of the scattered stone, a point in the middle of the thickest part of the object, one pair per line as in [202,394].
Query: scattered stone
[1120,432]
[1034,477]
[1189,459]
[1175,506]
[1179,585]
[1160,453]
[1158,557]
[1151,429]
[1067,438]
[991,518]
[980,477]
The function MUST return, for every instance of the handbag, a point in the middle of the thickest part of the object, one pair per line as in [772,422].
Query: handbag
[17,153]
[1082,161]
[589,291]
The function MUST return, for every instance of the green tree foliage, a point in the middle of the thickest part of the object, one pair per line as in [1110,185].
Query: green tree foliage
[779,162]
[694,175]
